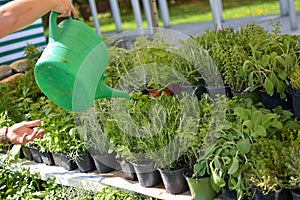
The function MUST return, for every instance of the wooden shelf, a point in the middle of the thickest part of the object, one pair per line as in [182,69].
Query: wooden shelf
[96,181]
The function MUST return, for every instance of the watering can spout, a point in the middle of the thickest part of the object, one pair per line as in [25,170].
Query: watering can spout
[104,91]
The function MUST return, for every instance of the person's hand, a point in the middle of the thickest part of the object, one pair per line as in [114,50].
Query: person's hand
[23,132]
[65,8]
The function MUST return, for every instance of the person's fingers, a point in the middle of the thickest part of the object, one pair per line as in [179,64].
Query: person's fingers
[22,140]
[32,123]
[40,133]
[30,137]
[74,12]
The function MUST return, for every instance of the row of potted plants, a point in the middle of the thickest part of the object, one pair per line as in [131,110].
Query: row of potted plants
[234,151]
[252,59]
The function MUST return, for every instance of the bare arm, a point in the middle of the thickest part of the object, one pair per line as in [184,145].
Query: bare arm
[18,14]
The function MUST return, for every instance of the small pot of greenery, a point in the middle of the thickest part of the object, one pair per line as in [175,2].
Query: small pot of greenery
[270,65]
[267,170]
[294,90]
[292,163]
[92,124]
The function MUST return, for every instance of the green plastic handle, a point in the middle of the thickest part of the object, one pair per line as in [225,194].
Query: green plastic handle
[54,30]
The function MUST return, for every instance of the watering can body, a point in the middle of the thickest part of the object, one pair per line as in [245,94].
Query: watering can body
[70,71]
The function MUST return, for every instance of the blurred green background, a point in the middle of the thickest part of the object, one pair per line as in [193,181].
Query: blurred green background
[181,11]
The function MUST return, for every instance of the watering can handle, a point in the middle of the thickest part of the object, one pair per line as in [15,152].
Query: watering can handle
[54,30]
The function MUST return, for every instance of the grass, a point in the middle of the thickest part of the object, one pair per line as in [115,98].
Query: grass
[194,11]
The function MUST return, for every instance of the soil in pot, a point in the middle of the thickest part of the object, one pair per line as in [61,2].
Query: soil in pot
[85,163]
[200,187]
[36,156]
[174,181]
[105,163]
[47,158]
[128,170]
[147,174]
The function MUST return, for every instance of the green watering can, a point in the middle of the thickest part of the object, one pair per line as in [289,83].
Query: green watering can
[70,71]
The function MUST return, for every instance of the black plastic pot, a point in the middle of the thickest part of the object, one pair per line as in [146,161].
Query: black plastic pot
[147,174]
[67,163]
[230,194]
[57,159]
[105,163]
[296,196]
[198,90]
[174,181]
[128,170]
[85,163]
[254,95]
[47,158]
[271,102]
[26,153]
[5,148]
[36,156]
[296,101]
[214,92]
[273,195]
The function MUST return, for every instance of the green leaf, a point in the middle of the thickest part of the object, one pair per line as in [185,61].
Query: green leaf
[257,55]
[265,60]
[200,168]
[269,86]
[292,125]
[282,74]
[218,180]
[249,124]
[280,60]
[259,130]
[250,79]
[214,185]
[244,146]
[257,117]
[234,166]
[240,112]
[245,68]
[276,124]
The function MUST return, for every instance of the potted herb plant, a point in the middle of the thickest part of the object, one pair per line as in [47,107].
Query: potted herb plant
[199,184]
[82,157]
[229,49]
[175,129]
[137,143]
[269,67]
[294,90]
[292,170]
[267,170]
[92,123]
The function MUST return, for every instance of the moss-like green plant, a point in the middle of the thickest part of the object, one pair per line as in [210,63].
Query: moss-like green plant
[295,79]
[267,169]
